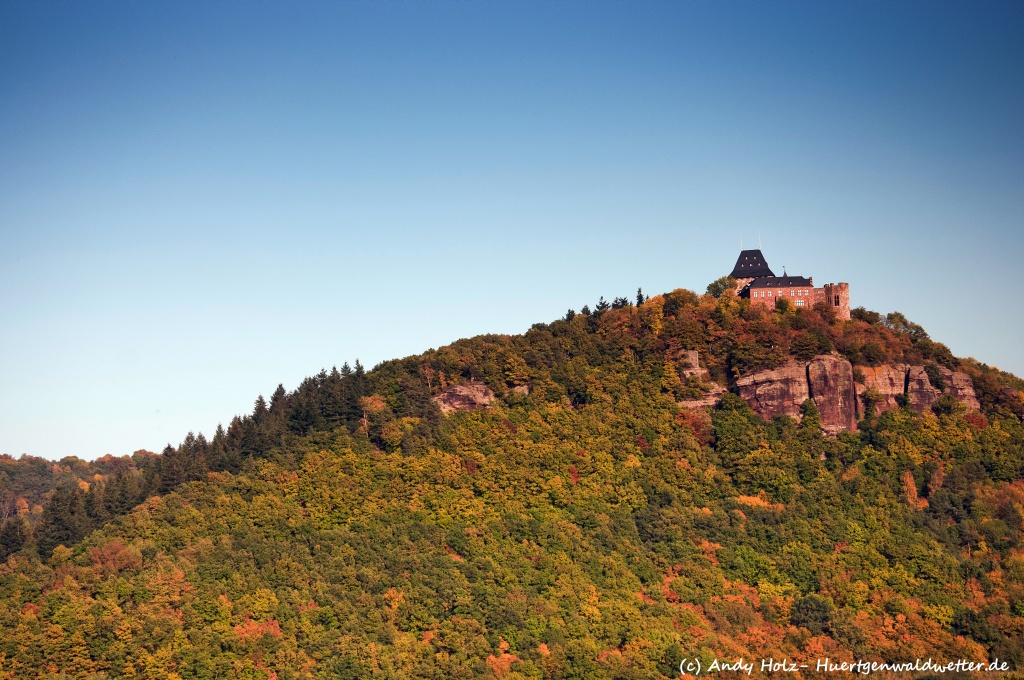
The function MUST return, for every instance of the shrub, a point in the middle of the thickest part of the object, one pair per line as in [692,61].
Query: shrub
[935,376]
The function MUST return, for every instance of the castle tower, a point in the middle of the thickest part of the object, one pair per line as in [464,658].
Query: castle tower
[837,296]
[749,266]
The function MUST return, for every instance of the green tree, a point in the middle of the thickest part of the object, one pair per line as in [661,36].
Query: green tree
[719,286]
[64,520]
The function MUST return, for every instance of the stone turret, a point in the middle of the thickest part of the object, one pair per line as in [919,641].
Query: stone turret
[837,296]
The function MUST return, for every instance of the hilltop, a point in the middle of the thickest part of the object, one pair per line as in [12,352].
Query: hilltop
[597,497]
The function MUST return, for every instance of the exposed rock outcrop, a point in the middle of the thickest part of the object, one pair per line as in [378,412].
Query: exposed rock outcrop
[777,392]
[689,366]
[467,396]
[887,381]
[829,381]
[919,389]
[831,387]
[961,387]
[890,381]
[713,396]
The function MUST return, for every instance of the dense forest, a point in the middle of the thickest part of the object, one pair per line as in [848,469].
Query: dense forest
[585,525]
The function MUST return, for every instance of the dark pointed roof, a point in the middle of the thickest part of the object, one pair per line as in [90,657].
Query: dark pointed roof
[751,264]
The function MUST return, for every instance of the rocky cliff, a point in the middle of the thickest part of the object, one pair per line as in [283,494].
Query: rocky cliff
[467,396]
[890,381]
[778,392]
[829,381]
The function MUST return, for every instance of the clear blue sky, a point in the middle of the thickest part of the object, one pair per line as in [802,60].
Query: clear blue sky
[200,200]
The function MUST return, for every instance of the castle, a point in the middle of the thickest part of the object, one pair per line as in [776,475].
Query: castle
[757,282]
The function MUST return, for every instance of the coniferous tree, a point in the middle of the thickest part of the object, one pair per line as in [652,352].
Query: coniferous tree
[278,401]
[64,520]
[12,537]
[254,440]
[95,505]
[333,399]
[118,497]
[192,454]
[260,410]
[172,472]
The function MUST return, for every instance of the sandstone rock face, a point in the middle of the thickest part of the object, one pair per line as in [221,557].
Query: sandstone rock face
[830,379]
[889,381]
[919,389]
[914,382]
[778,392]
[710,399]
[468,396]
[961,387]
[689,366]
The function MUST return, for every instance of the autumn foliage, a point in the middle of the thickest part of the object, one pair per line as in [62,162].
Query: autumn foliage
[584,526]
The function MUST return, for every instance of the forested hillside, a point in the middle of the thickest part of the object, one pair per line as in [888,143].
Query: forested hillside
[583,525]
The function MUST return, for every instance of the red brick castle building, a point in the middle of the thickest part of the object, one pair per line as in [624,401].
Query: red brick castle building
[757,282]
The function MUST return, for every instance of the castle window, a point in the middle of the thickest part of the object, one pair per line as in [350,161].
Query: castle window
[837,301]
